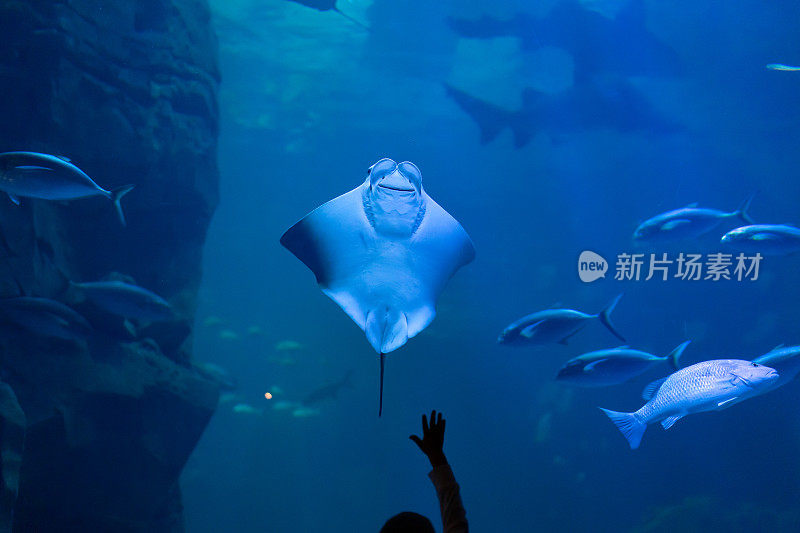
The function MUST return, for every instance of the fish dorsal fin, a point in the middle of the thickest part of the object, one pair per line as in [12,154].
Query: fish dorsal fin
[622,347]
[591,366]
[672,224]
[652,387]
[528,331]
[723,403]
[64,158]
[669,421]
[778,347]
[691,205]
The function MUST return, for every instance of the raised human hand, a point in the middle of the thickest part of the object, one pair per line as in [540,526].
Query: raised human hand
[432,441]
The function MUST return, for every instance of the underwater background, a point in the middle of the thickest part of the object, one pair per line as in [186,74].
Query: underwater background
[542,146]
[309,100]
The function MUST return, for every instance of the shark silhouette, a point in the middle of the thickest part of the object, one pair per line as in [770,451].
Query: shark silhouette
[620,46]
[607,104]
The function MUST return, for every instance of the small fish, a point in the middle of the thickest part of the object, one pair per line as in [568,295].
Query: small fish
[768,239]
[611,367]
[687,222]
[554,325]
[246,409]
[781,66]
[328,392]
[48,177]
[305,412]
[284,405]
[784,359]
[212,321]
[288,346]
[126,300]
[229,335]
[282,360]
[43,316]
[707,386]
[227,397]
[255,331]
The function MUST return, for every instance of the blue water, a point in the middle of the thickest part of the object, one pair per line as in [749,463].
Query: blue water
[310,100]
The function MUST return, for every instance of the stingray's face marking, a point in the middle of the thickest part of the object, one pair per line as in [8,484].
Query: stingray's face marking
[393,197]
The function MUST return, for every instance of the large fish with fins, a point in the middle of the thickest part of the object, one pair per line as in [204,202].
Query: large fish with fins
[126,300]
[602,368]
[707,386]
[45,317]
[555,325]
[687,222]
[49,177]
[768,239]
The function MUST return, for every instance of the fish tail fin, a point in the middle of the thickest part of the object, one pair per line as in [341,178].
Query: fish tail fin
[629,425]
[380,393]
[490,119]
[674,356]
[605,317]
[351,19]
[742,213]
[116,196]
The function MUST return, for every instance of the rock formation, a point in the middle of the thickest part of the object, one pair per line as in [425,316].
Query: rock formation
[127,91]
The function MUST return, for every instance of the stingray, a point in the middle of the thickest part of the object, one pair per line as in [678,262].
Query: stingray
[383,252]
[329,5]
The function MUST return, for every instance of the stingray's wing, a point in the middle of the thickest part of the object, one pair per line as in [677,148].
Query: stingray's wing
[331,241]
[440,247]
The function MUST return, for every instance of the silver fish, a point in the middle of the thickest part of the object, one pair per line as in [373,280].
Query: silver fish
[124,299]
[707,386]
[687,222]
[612,367]
[768,239]
[554,325]
[48,177]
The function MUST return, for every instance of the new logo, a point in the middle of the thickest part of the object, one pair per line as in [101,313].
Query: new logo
[591,266]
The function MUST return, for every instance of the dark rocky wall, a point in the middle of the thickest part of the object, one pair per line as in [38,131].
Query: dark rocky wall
[128,91]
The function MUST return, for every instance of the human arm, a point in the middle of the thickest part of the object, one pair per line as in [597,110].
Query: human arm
[454,517]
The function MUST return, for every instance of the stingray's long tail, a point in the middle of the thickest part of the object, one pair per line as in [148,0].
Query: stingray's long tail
[380,396]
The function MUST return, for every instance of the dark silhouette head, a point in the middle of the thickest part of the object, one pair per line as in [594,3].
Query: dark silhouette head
[407,522]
